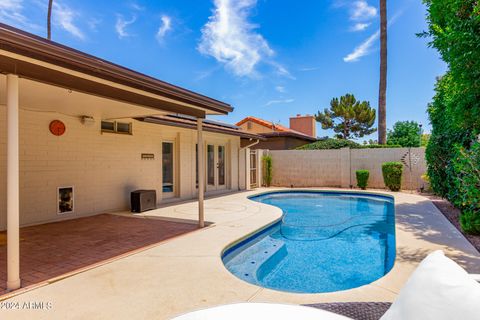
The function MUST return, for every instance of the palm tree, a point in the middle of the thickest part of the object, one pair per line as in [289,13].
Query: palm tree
[49,20]
[382,95]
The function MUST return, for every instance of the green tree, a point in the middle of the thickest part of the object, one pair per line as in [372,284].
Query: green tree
[405,133]
[454,30]
[348,117]
[424,139]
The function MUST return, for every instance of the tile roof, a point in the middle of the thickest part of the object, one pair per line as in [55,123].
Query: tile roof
[274,127]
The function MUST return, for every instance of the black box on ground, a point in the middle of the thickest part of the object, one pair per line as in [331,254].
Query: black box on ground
[143,200]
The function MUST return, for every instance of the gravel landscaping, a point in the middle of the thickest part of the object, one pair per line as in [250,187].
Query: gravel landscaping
[453,215]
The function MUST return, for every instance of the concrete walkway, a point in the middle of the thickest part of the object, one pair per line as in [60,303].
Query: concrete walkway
[187,273]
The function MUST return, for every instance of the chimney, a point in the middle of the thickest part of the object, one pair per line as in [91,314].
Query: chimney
[305,124]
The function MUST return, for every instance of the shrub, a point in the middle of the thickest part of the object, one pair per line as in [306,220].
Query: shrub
[329,144]
[465,195]
[470,221]
[392,175]
[380,146]
[362,178]
[267,169]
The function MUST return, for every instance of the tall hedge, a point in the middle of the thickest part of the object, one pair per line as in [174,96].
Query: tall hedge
[453,150]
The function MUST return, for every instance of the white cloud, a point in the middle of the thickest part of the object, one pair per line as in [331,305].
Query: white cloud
[11,11]
[136,6]
[93,23]
[164,27]
[281,70]
[14,5]
[64,17]
[361,11]
[360,27]
[308,69]
[285,101]
[231,39]
[280,89]
[363,49]
[122,24]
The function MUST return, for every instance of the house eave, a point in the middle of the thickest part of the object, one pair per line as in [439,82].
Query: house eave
[23,44]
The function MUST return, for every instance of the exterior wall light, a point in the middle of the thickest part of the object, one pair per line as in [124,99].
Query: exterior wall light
[87,120]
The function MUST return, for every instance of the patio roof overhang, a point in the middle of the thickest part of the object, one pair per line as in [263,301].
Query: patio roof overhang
[36,59]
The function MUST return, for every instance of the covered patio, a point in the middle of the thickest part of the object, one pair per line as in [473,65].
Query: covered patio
[54,250]
[45,86]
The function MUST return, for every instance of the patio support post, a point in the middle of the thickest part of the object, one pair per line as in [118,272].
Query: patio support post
[13,199]
[201,173]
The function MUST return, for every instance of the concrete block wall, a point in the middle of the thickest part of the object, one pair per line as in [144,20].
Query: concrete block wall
[336,168]
[372,159]
[103,167]
[302,168]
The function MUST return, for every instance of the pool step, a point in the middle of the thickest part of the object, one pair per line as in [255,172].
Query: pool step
[252,263]
[269,265]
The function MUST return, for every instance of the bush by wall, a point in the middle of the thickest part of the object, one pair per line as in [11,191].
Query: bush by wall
[362,178]
[466,194]
[267,170]
[380,146]
[326,144]
[392,175]
[330,144]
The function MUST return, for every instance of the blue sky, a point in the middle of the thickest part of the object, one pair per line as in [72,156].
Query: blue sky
[268,58]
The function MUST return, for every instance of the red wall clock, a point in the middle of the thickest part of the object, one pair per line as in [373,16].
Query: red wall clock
[57,127]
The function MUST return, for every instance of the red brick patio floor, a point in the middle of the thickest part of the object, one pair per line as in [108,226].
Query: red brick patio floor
[51,250]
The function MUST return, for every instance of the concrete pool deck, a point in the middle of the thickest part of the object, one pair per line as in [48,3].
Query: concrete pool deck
[187,273]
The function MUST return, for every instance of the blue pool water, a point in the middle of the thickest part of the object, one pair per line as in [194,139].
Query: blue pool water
[326,241]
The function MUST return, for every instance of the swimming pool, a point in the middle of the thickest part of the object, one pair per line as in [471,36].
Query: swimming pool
[325,241]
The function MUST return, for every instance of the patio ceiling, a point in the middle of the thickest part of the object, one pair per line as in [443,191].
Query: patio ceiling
[37,96]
